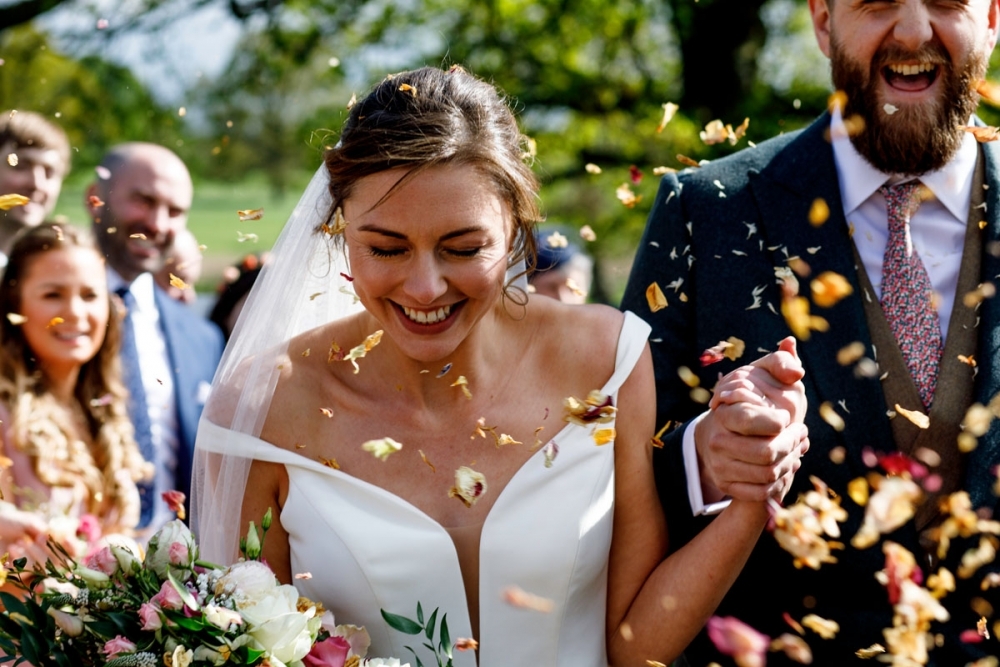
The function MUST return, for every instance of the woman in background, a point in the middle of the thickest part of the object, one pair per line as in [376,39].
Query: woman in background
[65,433]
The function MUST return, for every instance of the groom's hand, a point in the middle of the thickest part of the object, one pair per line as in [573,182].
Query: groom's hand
[750,443]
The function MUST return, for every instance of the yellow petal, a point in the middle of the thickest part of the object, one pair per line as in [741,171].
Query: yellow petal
[655,298]
[8,202]
[919,418]
[250,214]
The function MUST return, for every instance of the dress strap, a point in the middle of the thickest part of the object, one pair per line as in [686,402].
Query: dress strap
[631,343]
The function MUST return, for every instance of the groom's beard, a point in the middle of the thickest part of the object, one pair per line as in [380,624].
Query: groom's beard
[919,137]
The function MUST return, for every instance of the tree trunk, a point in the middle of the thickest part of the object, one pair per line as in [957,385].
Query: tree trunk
[719,43]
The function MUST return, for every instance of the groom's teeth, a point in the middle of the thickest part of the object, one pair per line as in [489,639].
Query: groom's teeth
[911,70]
[427,316]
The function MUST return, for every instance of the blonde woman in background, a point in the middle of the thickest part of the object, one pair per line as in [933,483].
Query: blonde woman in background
[72,464]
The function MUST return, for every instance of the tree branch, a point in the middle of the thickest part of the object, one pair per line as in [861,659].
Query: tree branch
[24,11]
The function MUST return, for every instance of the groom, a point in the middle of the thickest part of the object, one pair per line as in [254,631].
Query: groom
[841,196]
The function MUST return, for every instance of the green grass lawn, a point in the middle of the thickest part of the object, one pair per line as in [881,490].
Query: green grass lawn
[213,220]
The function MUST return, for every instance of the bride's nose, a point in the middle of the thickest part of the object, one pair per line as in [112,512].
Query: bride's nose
[425,282]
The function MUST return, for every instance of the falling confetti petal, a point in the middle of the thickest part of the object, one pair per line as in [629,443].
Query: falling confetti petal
[918,418]
[464,385]
[359,351]
[16,319]
[669,109]
[469,486]
[8,202]
[177,282]
[382,448]
[655,298]
[517,597]
[250,214]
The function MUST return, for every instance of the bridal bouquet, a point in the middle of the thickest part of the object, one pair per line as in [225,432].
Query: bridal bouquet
[167,609]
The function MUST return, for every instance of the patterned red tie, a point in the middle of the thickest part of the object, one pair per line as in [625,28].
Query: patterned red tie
[906,292]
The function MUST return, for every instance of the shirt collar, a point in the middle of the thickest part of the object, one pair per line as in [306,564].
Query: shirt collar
[142,289]
[859,180]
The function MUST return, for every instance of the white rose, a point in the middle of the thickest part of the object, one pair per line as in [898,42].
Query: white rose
[51,585]
[279,628]
[182,657]
[247,582]
[158,554]
[221,617]
[208,654]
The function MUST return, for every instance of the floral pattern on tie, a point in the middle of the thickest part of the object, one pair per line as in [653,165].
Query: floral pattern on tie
[907,293]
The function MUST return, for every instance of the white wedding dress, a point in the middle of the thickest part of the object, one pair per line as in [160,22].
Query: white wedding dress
[549,534]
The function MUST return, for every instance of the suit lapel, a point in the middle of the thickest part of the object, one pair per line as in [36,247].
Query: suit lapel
[785,192]
[980,474]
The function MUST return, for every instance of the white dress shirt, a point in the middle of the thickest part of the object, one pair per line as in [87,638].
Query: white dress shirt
[158,382]
[937,229]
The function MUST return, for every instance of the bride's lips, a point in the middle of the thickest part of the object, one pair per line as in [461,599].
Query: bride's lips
[428,320]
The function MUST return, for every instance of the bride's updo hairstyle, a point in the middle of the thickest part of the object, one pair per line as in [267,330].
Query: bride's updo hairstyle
[430,117]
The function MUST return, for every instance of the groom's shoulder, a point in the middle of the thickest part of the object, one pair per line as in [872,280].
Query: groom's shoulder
[733,171]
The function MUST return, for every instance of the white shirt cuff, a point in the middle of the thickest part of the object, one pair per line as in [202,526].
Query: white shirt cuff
[695,496]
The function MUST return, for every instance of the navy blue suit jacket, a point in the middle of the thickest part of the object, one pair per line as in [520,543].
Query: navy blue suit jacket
[724,243]
[194,346]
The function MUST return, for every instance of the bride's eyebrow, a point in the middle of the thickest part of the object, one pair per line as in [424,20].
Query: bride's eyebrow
[472,229]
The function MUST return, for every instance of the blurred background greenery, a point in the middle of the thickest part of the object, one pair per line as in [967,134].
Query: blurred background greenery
[248,92]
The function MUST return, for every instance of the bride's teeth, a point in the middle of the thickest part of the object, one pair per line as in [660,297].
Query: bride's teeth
[427,317]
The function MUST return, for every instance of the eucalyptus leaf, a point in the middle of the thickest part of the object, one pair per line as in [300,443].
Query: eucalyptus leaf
[420,614]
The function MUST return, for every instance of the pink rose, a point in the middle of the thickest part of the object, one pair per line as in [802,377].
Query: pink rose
[734,637]
[149,614]
[168,597]
[103,561]
[118,645]
[331,652]
[89,529]
[178,553]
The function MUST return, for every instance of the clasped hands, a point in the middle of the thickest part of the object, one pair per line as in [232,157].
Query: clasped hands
[751,441]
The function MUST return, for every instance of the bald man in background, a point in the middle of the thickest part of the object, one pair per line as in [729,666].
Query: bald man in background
[138,205]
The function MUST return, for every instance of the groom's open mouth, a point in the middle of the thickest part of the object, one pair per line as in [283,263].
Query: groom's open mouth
[911,77]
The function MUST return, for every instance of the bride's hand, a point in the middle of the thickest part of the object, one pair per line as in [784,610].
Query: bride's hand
[750,443]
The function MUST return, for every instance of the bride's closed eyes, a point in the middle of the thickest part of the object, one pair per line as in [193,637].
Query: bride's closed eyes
[396,252]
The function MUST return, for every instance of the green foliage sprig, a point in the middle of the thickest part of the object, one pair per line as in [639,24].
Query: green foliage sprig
[443,649]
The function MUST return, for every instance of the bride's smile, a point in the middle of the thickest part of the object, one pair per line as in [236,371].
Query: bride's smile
[428,254]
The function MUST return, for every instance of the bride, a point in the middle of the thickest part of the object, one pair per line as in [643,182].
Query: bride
[421,446]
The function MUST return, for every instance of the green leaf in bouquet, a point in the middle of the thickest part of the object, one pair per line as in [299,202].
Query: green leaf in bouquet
[19,563]
[185,594]
[13,605]
[429,628]
[420,614]
[445,646]
[178,618]
[401,623]
[33,649]
[415,656]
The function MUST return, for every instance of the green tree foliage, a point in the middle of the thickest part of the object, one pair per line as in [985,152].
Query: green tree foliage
[98,104]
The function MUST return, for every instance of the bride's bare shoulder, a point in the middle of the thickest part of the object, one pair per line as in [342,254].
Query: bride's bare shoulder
[571,334]
[264,380]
